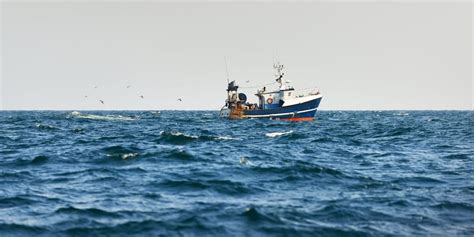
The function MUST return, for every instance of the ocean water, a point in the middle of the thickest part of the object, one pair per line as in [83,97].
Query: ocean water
[181,173]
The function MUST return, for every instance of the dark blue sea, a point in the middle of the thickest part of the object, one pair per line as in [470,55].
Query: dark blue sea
[182,173]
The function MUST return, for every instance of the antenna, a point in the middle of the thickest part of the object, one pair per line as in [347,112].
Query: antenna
[226,71]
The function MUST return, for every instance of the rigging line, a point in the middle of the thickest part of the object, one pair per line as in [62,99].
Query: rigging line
[250,87]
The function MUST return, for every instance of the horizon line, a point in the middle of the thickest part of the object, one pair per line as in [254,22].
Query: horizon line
[131,110]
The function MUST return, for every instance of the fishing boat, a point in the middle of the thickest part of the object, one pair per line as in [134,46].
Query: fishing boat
[283,103]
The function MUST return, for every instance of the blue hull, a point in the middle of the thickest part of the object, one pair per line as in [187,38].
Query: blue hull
[303,111]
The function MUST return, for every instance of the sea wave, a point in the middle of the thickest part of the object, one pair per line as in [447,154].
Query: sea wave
[179,138]
[26,161]
[78,115]
[90,212]
[226,187]
[46,127]
[356,173]
[120,152]
[277,134]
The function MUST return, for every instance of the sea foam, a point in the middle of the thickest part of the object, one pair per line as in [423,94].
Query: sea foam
[76,114]
[277,134]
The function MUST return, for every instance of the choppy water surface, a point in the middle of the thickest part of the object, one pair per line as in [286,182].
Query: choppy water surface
[192,174]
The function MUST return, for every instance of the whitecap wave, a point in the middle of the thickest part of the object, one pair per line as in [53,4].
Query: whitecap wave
[191,137]
[128,155]
[45,126]
[76,114]
[245,161]
[226,138]
[277,134]
[178,134]
[184,135]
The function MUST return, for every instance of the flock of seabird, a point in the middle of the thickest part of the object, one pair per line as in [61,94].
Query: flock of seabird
[141,96]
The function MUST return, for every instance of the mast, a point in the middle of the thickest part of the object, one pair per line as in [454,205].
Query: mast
[226,71]
[279,72]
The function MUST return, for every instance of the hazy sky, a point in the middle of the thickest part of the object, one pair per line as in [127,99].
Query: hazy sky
[362,55]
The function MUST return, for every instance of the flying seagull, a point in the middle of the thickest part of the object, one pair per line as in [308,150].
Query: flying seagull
[141,96]
[179,99]
[101,101]
[247,81]
[95,86]
[129,86]
[85,96]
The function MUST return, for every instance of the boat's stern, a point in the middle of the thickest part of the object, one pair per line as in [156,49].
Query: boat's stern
[224,113]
